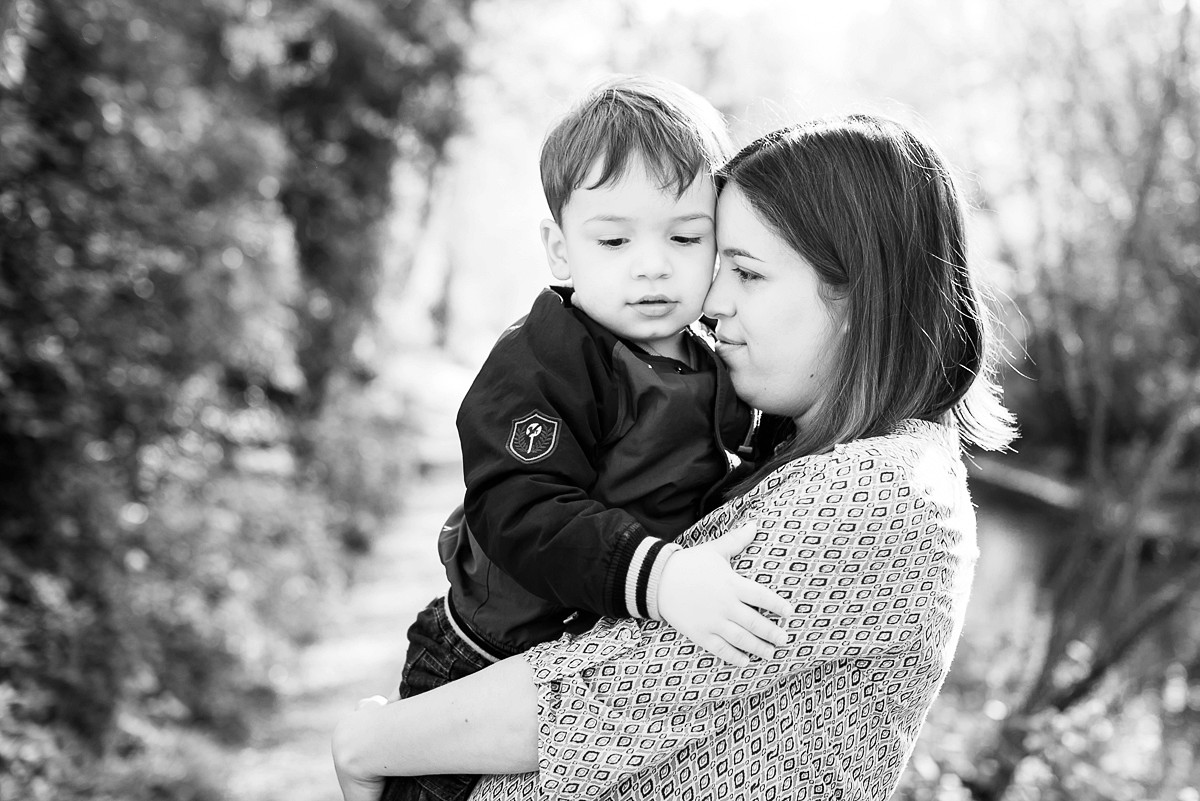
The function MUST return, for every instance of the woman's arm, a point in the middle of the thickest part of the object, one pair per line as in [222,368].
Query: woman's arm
[873,552]
[484,723]
[487,722]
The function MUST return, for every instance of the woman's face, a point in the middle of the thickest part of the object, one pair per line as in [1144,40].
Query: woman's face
[777,334]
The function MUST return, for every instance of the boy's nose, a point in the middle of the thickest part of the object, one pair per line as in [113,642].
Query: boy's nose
[652,263]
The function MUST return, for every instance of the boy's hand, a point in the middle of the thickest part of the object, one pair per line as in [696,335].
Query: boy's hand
[708,602]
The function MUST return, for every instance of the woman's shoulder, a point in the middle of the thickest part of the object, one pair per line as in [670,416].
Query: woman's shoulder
[909,442]
[913,451]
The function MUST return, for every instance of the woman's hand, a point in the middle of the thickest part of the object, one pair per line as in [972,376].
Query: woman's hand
[708,602]
[351,738]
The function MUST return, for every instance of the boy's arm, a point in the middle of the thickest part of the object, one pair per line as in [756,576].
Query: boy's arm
[531,429]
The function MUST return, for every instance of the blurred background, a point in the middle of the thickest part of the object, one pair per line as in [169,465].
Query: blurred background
[252,250]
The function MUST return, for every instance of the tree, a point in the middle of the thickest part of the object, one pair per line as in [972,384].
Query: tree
[148,272]
[361,85]
[1105,180]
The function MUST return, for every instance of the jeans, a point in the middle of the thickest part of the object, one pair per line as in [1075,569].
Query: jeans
[436,656]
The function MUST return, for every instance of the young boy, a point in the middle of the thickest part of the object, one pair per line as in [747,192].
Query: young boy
[600,422]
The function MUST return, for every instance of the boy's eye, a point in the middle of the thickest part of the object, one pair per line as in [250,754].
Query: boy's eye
[612,243]
[687,240]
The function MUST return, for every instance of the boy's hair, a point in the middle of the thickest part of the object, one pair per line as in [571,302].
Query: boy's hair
[677,133]
[876,212]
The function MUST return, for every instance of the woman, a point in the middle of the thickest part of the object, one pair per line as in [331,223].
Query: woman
[846,311]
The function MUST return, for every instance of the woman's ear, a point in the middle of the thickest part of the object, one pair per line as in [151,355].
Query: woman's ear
[556,249]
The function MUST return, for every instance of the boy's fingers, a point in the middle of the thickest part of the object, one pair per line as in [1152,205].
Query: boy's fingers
[746,527]
[761,628]
[734,541]
[747,643]
[755,594]
[720,647]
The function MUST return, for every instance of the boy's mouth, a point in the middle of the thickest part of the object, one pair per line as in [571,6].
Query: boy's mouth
[655,305]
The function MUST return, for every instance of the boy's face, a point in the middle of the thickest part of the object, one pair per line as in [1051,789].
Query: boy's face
[640,260]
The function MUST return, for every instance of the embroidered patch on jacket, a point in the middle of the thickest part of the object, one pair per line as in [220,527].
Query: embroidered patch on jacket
[533,437]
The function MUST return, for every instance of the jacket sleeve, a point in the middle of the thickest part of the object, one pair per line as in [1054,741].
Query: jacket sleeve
[866,583]
[531,429]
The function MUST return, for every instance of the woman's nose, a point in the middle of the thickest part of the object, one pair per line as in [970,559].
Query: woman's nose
[717,302]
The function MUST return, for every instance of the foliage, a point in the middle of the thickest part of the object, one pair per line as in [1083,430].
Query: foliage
[1121,743]
[1107,262]
[191,199]
[362,457]
[163,540]
[353,86]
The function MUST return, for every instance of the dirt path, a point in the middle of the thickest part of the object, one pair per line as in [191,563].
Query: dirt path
[363,650]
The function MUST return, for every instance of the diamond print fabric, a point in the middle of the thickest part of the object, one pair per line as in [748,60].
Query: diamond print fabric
[874,545]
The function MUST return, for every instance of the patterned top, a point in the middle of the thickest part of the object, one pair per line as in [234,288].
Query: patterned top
[874,544]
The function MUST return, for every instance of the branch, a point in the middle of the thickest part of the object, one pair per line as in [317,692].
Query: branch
[1170,104]
[1185,419]
[1152,614]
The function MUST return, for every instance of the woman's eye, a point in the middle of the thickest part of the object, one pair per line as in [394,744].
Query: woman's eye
[745,275]
[612,243]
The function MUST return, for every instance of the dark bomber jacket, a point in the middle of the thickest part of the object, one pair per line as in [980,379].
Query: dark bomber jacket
[582,456]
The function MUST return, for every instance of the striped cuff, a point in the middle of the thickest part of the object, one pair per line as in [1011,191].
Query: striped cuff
[644,574]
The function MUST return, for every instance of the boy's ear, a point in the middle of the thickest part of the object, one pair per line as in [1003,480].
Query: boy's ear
[556,249]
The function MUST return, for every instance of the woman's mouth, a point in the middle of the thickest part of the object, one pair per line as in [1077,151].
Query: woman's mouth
[727,346]
[730,342]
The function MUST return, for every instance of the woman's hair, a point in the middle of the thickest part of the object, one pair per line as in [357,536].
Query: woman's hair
[875,211]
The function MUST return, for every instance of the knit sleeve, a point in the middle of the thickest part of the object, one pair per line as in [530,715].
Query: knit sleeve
[873,552]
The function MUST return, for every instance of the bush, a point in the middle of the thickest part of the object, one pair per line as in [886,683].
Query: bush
[361,458]
[176,485]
